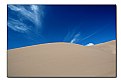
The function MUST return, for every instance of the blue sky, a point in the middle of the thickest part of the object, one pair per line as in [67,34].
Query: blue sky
[80,24]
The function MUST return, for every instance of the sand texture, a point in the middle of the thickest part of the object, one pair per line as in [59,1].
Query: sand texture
[63,60]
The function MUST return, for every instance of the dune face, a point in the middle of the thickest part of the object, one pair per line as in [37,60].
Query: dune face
[63,60]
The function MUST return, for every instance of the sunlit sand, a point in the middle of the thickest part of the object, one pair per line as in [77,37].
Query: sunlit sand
[63,60]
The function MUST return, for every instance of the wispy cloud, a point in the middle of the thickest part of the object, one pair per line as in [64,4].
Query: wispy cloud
[34,14]
[15,8]
[17,26]
[76,38]
[71,33]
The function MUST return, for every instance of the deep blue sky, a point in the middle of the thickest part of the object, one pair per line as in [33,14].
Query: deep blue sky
[79,24]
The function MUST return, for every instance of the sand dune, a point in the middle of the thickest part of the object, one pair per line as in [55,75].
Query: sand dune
[63,60]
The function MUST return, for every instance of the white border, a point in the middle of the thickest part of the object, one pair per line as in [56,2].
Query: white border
[3,32]
[61,1]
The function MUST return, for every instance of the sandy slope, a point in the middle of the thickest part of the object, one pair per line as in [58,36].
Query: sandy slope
[63,60]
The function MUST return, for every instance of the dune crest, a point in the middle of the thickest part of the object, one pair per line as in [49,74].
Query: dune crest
[63,60]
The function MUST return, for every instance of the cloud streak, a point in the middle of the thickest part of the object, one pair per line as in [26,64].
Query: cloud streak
[17,26]
[76,38]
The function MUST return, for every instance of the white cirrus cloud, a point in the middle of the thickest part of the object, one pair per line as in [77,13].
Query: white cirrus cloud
[33,14]
[17,26]
[76,38]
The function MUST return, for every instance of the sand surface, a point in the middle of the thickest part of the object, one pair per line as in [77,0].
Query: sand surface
[63,60]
